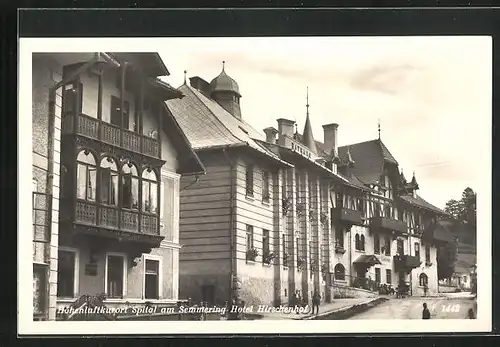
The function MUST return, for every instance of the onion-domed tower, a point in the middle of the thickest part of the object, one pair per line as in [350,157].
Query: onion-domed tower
[226,92]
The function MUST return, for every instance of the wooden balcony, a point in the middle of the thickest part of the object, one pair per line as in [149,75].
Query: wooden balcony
[406,262]
[388,224]
[95,129]
[117,223]
[347,216]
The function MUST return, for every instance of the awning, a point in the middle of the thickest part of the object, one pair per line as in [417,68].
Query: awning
[368,260]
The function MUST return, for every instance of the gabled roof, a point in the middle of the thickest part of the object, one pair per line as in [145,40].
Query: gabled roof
[208,125]
[420,202]
[369,157]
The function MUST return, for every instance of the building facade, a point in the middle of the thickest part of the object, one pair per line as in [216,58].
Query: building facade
[279,213]
[109,157]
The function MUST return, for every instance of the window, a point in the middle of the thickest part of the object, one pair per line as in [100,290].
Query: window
[115,276]
[109,182]
[130,187]
[400,247]
[357,245]
[249,237]
[149,191]
[67,273]
[116,115]
[376,244]
[362,243]
[339,237]
[388,276]
[86,176]
[378,278]
[297,242]
[249,180]
[417,250]
[427,254]
[387,247]
[265,242]
[72,98]
[465,279]
[339,272]
[423,280]
[152,280]
[265,186]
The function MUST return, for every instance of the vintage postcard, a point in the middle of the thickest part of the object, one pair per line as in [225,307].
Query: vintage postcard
[255,185]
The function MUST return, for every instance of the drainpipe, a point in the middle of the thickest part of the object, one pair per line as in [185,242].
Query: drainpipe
[196,179]
[232,248]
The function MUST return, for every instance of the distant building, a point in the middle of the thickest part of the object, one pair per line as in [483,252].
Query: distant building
[282,213]
[107,159]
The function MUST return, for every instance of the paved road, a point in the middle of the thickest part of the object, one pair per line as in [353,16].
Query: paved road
[411,308]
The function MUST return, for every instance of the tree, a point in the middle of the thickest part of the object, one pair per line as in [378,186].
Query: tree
[464,211]
[446,259]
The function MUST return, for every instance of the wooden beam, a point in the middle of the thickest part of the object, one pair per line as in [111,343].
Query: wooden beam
[122,101]
[99,95]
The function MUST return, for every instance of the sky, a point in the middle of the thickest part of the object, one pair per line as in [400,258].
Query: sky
[431,95]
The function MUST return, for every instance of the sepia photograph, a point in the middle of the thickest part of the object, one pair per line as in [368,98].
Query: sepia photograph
[265,181]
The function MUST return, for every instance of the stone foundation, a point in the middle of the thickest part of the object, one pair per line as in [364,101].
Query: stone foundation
[190,286]
[340,292]
[257,291]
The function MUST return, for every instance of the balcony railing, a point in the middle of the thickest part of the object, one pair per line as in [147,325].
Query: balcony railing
[347,215]
[111,134]
[41,227]
[109,217]
[388,224]
[406,262]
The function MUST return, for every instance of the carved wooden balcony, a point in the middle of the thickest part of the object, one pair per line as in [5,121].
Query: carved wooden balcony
[110,134]
[406,262]
[117,223]
[388,224]
[347,216]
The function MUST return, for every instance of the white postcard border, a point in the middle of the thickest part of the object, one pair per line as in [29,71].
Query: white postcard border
[26,325]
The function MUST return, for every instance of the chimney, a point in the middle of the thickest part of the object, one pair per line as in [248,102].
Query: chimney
[200,84]
[271,135]
[285,127]
[330,137]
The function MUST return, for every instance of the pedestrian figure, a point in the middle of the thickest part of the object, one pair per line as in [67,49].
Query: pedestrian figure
[426,314]
[316,299]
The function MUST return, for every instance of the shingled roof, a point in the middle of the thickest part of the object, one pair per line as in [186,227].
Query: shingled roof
[441,230]
[420,202]
[209,126]
[369,157]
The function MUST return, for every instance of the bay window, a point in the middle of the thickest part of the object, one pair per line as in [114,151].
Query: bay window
[86,176]
[130,187]
[149,191]
[109,182]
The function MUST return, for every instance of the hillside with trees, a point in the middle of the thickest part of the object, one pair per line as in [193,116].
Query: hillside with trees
[463,212]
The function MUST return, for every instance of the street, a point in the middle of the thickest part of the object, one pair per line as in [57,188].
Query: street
[411,308]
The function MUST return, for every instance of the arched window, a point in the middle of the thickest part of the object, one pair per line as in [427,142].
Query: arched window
[339,272]
[109,182]
[423,280]
[130,187]
[376,244]
[356,242]
[362,243]
[149,191]
[86,175]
